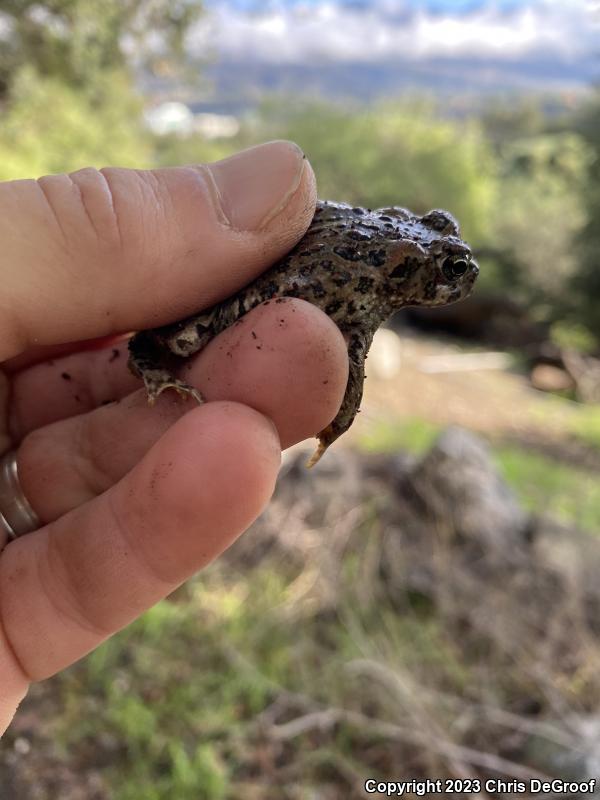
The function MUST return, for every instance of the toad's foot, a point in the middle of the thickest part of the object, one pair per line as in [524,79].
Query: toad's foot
[147,360]
[157,380]
[319,452]
[359,342]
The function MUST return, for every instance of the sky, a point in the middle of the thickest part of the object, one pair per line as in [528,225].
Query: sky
[299,31]
[452,6]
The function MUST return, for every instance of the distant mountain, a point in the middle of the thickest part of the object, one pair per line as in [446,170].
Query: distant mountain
[245,82]
[461,84]
[368,50]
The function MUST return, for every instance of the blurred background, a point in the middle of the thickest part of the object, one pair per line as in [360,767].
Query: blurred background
[425,603]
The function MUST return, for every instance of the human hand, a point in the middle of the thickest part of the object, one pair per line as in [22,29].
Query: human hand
[132,499]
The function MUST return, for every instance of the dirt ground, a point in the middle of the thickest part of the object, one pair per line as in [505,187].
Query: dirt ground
[410,376]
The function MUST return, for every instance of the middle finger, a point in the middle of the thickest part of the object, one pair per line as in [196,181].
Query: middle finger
[288,361]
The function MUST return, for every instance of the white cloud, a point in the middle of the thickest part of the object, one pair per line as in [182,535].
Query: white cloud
[388,29]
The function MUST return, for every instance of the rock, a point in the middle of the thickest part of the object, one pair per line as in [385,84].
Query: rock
[547,378]
[572,559]
[458,483]
[578,759]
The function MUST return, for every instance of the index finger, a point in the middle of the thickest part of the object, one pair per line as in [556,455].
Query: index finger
[100,252]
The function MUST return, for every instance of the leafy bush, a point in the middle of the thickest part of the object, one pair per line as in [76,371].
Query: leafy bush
[539,217]
[397,154]
[50,127]
[586,282]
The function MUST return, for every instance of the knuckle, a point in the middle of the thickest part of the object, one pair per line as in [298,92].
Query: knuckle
[143,214]
[94,193]
[80,207]
[65,586]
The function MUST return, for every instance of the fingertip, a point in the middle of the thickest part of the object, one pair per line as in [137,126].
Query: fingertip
[291,221]
[237,450]
[285,358]
[281,177]
[314,367]
[206,479]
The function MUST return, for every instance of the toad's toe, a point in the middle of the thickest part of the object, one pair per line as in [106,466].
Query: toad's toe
[157,380]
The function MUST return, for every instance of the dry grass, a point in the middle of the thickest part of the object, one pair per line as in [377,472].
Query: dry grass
[343,638]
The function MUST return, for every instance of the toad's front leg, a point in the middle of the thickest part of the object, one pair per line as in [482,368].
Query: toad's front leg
[359,342]
[154,365]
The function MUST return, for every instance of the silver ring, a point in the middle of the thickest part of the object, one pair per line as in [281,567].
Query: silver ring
[17,517]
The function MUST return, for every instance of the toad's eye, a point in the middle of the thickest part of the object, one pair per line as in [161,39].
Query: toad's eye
[455,266]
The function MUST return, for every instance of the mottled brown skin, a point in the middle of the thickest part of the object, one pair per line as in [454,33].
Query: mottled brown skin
[357,265]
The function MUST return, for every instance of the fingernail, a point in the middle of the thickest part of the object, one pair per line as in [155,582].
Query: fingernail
[255,185]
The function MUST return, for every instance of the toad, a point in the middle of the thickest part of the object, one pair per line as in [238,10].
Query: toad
[359,266]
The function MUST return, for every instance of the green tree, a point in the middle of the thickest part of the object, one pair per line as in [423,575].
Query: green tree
[52,128]
[397,154]
[539,216]
[586,282]
[74,41]
[67,79]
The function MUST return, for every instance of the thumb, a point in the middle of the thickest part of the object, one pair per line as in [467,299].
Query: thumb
[100,252]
